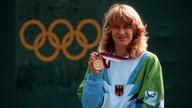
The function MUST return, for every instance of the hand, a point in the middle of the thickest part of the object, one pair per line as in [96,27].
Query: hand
[93,56]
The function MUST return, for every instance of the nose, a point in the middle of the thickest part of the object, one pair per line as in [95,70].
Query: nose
[121,31]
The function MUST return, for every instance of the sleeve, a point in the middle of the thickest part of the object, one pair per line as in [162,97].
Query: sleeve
[81,86]
[151,94]
[90,90]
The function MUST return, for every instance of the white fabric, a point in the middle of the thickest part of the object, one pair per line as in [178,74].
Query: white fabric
[118,74]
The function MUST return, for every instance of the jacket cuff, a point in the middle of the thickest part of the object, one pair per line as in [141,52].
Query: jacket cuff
[96,76]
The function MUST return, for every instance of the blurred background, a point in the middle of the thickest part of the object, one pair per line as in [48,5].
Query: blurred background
[45,72]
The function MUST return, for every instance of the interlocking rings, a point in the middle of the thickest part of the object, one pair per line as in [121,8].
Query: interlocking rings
[55,42]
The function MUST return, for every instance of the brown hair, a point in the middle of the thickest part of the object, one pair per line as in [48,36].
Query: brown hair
[124,13]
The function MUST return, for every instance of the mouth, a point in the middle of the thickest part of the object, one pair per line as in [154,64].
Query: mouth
[121,38]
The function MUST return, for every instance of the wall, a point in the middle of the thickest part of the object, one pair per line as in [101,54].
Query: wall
[38,73]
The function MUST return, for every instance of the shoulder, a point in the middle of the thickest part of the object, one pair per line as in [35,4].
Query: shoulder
[149,56]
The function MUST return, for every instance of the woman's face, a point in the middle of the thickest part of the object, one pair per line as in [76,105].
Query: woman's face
[122,34]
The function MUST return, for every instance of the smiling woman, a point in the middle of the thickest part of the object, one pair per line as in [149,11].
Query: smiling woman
[131,76]
[122,36]
[124,22]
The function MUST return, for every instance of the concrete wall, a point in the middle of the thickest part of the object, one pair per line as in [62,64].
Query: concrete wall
[37,73]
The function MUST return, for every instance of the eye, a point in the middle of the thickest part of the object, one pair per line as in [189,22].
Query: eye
[127,26]
[115,27]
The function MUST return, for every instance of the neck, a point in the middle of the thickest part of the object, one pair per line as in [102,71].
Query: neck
[121,51]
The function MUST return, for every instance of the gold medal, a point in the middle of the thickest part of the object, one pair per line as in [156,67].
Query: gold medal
[97,64]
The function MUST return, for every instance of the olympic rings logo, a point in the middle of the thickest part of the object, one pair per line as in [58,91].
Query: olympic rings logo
[54,40]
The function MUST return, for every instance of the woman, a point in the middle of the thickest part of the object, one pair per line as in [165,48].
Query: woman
[130,76]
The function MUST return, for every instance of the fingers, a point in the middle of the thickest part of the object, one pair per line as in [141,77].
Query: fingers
[93,56]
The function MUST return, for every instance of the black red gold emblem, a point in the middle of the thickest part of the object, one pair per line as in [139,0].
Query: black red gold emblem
[119,89]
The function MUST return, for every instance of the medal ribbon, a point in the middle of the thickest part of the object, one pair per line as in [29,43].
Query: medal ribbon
[107,64]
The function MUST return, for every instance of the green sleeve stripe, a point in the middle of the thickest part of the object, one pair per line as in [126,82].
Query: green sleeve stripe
[81,86]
